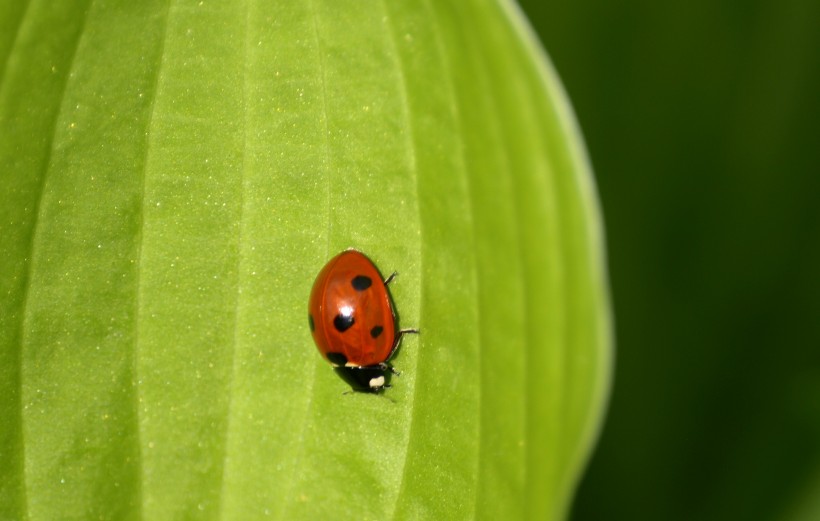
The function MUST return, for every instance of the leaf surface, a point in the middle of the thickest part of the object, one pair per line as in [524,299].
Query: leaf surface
[175,175]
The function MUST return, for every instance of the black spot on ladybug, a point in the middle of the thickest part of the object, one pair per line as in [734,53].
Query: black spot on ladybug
[343,322]
[310,321]
[361,283]
[376,331]
[337,359]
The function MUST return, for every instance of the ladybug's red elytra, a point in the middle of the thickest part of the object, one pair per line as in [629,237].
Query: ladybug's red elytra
[353,322]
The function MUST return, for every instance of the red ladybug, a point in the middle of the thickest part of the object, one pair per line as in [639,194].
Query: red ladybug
[352,321]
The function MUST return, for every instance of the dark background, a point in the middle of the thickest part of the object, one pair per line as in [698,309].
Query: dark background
[702,120]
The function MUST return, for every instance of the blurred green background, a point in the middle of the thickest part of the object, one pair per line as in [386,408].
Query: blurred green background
[701,120]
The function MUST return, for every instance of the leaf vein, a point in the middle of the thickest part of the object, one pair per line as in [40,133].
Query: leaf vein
[140,493]
[412,164]
[35,227]
[17,32]
[506,164]
[462,162]
[311,393]
[229,421]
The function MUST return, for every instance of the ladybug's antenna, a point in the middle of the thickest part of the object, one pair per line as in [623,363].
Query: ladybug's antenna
[409,331]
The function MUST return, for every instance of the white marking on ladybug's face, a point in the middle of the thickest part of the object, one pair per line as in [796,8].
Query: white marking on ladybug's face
[377,382]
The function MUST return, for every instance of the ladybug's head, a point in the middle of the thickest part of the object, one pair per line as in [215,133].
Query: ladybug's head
[365,379]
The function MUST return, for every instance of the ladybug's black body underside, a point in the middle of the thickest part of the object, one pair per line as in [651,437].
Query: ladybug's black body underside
[360,378]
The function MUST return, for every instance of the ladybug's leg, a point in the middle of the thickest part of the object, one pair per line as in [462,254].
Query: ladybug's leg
[389,279]
[399,336]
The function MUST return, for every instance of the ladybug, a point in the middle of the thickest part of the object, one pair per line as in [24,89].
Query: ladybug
[352,320]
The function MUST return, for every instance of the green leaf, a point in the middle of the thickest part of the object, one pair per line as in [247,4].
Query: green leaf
[174,176]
